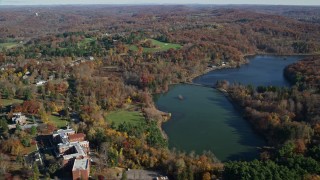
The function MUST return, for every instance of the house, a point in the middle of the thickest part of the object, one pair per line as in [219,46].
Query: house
[18,118]
[81,169]
[41,82]
[51,77]
[25,77]
[12,126]
[91,58]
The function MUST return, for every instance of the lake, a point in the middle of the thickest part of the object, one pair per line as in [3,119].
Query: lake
[206,120]
[262,70]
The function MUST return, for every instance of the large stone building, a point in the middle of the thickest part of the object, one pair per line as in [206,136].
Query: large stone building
[74,150]
[81,169]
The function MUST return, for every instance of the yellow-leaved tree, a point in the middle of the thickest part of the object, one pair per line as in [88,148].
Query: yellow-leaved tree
[44,116]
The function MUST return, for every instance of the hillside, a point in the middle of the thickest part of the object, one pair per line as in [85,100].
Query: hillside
[98,67]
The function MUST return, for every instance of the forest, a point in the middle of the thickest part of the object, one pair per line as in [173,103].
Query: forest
[100,59]
[288,118]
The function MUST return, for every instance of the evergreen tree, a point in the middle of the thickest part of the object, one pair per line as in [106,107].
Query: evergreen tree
[36,172]
[124,175]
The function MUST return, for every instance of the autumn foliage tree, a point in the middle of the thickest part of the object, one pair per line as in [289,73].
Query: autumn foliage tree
[12,146]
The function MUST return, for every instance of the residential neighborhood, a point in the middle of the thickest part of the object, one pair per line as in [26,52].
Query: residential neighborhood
[60,150]
[69,151]
[65,144]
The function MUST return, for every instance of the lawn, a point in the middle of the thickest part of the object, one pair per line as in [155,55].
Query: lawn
[7,102]
[60,123]
[120,116]
[86,41]
[8,45]
[160,46]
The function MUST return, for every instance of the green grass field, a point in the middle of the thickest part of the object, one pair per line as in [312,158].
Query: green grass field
[160,46]
[8,45]
[86,41]
[60,123]
[7,102]
[120,116]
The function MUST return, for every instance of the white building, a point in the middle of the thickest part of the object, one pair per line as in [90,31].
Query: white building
[91,58]
[41,82]
[18,118]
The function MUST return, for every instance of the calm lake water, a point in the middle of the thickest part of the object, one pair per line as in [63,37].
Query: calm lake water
[206,120]
[262,70]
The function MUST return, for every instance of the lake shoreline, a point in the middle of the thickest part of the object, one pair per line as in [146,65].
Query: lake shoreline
[189,80]
[241,110]
[225,93]
[246,60]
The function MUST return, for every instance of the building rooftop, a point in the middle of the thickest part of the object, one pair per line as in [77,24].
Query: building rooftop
[64,131]
[71,145]
[79,151]
[81,164]
[76,137]
[18,118]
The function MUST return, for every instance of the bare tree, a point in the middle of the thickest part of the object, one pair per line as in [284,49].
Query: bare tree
[103,155]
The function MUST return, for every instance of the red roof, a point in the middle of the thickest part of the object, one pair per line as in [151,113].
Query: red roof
[76,137]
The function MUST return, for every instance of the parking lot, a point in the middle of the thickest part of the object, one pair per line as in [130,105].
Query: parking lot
[135,174]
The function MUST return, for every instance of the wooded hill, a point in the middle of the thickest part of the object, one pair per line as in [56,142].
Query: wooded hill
[99,59]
